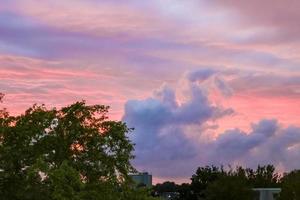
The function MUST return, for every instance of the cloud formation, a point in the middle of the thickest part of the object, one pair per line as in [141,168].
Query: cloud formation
[166,146]
[160,123]
[282,16]
[245,53]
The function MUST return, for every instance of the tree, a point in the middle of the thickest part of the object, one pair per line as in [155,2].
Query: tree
[213,182]
[202,178]
[165,187]
[290,185]
[74,152]
[3,110]
[229,187]
[185,191]
[65,183]
[137,194]
[263,177]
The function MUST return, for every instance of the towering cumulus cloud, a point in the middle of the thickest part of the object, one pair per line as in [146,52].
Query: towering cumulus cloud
[171,133]
[161,122]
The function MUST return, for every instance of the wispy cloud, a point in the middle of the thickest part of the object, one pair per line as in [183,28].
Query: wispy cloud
[243,56]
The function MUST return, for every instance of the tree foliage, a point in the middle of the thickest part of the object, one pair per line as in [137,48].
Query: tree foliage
[229,187]
[165,187]
[263,177]
[291,186]
[203,177]
[74,152]
[217,183]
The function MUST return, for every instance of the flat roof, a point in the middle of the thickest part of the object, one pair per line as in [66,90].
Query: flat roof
[268,189]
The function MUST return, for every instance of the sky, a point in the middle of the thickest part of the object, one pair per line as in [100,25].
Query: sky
[201,81]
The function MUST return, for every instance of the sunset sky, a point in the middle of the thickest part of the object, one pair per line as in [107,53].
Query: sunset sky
[202,81]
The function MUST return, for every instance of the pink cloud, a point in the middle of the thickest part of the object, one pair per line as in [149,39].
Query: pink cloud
[283,16]
[202,130]
[105,18]
[26,81]
[58,52]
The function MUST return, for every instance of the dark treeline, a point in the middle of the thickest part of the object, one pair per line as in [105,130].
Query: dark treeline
[216,183]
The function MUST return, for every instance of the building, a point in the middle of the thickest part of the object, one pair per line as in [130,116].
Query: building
[267,193]
[142,179]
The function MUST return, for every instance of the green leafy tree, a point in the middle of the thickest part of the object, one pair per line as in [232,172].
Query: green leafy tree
[290,185]
[137,194]
[65,183]
[165,187]
[211,178]
[229,187]
[74,152]
[184,190]
[202,178]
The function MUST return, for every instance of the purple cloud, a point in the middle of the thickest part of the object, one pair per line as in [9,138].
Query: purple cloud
[160,124]
[162,139]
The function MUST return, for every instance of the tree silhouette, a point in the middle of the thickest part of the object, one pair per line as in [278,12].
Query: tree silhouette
[75,152]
